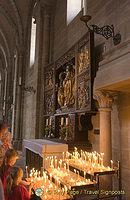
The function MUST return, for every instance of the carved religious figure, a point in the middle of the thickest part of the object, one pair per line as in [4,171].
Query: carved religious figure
[81,58]
[66,89]
[68,85]
[61,96]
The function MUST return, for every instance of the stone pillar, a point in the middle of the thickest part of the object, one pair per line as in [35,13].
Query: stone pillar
[19,106]
[105,99]
[45,60]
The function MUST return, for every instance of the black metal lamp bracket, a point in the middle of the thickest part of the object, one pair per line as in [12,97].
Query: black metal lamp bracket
[106,31]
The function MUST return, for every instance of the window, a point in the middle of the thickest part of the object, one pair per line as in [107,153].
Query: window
[33,42]
[73,8]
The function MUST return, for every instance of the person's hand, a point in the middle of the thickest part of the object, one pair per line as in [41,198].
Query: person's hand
[31,186]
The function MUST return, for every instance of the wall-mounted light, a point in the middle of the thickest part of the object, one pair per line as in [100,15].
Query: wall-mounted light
[106,31]
[30,89]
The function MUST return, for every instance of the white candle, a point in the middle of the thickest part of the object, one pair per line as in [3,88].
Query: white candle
[50,177]
[55,163]
[26,171]
[84,174]
[84,7]
[62,121]
[67,121]
[111,164]
[46,122]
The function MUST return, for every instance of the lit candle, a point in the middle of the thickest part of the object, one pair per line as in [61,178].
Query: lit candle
[111,164]
[81,153]
[55,163]
[84,7]
[84,174]
[67,164]
[67,121]
[101,160]
[102,154]
[26,171]
[50,177]
[63,155]
[62,121]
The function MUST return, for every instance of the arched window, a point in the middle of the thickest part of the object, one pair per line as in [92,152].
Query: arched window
[33,42]
[73,8]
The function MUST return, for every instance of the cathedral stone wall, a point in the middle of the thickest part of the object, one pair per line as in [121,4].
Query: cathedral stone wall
[124,123]
[113,73]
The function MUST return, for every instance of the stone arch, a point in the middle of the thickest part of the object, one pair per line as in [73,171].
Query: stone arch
[18,17]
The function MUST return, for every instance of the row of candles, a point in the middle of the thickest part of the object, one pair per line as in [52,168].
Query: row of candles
[89,158]
[60,169]
[44,182]
[93,161]
[66,121]
[49,121]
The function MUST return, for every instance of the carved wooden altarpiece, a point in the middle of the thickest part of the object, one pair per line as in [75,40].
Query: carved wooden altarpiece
[68,88]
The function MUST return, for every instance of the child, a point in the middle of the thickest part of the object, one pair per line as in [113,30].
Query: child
[9,159]
[5,145]
[14,191]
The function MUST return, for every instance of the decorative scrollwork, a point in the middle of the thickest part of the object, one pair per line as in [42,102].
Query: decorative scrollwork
[106,31]
[29,89]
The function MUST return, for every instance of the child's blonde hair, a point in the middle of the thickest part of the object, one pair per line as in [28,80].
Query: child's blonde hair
[5,136]
[8,155]
[14,173]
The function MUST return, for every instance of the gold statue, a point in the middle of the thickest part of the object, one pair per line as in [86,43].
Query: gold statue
[61,96]
[68,87]
[81,58]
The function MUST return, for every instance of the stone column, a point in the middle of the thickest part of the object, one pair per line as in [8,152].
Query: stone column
[45,60]
[105,99]
[18,120]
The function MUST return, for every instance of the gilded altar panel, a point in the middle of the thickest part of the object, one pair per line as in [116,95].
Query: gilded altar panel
[83,95]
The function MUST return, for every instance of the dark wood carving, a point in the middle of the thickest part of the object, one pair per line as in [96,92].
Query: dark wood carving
[49,99]
[72,126]
[84,124]
[83,92]
[48,79]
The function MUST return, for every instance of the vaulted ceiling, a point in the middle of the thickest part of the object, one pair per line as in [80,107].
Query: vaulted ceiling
[14,19]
